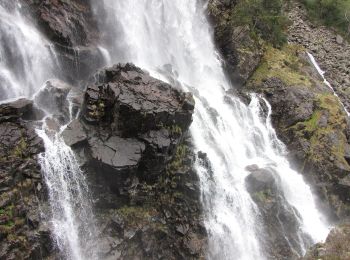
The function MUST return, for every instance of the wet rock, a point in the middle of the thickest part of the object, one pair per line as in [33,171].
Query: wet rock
[132,136]
[73,30]
[281,223]
[53,98]
[310,120]
[74,133]
[21,108]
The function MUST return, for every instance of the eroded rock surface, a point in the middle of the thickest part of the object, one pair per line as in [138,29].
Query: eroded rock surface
[132,141]
[22,234]
[71,27]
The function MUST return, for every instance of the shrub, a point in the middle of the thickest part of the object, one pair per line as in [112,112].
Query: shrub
[335,13]
[264,17]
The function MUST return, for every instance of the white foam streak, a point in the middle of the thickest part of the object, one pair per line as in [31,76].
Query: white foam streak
[321,72]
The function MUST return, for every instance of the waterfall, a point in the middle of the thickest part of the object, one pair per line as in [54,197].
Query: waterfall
[72,217]
[175,37]
[26,59]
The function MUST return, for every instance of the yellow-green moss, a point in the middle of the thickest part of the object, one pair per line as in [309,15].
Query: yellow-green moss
[262,196]
[181,152]
[329,106]
[283,64]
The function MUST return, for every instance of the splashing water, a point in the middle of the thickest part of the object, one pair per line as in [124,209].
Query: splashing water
[72,217]
[158,34]
[26,62]
[26,59]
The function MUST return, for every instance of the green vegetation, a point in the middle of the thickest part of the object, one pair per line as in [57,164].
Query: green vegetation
[265,19]
[263,196]
[327,107]
[335,13]
[283,64]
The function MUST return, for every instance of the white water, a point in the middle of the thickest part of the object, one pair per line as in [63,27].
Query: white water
[154,33]
[321,72]
[26,59]
[26,62]
[72,217]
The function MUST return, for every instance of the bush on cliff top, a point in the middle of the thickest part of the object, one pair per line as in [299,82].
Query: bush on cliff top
[264,17]
[335,13]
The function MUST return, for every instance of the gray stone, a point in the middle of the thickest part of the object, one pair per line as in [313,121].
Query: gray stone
[74,133]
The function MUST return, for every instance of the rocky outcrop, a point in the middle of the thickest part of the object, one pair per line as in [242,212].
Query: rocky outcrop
[240,51]
[71,27]
[329,49]
[131,140]
[22,234]
[336,245]
[281,236]
[309,119]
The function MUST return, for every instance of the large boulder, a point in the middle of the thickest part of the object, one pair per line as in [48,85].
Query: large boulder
[131,140]
[281,236]
[127,110]
[140,102]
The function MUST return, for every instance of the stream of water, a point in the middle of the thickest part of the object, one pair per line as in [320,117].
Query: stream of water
[175,36]
[171,37]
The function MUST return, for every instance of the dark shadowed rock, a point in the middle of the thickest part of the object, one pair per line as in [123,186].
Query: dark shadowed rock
[71,26]
[130,137]
[140,102]
[20,184]
[121,154]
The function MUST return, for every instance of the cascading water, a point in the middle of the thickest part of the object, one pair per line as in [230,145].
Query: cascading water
[175,35]
[26,59]
[72,217]
[26,62]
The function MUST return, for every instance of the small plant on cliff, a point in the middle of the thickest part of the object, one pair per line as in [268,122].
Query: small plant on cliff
[265,19]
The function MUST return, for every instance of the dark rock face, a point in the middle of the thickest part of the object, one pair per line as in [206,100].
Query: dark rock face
[22,235]
[131,140]
[70,25]
[241,53]
[281,237]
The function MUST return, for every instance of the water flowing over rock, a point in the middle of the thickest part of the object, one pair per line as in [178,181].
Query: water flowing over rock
[131,140]
[222,125]
[171,158]
[22,50]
